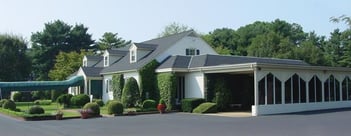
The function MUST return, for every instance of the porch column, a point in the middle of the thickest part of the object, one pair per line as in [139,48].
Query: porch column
[255,106]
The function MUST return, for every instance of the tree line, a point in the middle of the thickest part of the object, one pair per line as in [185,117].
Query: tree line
[57,50]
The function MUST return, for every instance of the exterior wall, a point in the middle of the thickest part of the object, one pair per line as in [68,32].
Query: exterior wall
[109,94]
[187,42]
[106,95]
[285,74]
[194,85]
[290,108]
[76,90]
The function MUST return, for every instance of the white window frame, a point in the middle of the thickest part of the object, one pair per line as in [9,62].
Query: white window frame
[106,61]
[133,56]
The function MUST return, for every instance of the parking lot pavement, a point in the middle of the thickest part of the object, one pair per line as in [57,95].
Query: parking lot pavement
[175,124]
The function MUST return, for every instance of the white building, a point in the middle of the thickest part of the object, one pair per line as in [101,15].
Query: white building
[262,85]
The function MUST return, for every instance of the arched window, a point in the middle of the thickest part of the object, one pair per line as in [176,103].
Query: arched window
[346,89]
[295,90]
[315,90]
[331,89]
[269,90]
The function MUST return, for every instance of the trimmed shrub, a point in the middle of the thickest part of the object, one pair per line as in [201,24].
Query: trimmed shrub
[149,104]
[130,94]
[9,104]
[108,101]
[17,97]
[36,110]
[99,102]
[94,107]
[148,81]
[64,99]
[167,84]
[206,107]
[189,104]
[80,100]
[115,107]
[117,86]
[42,102]
[2,101]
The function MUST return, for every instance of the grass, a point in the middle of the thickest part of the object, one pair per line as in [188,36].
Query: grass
[49,110]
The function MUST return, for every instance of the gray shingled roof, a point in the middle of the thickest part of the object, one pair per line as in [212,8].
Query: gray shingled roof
[117,52]
[215,60]
[162,43]
[92,71]
[146,46]
[95,58]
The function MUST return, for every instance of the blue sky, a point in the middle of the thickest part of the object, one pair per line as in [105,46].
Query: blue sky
[140,20]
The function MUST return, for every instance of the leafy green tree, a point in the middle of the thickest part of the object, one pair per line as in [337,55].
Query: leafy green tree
[15,65]
[111,40]
[66,64]
[342,18]
[224,41]
[173,28]
[57,36]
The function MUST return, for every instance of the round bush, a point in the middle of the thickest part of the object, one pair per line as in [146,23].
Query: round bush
[115,107]
[64,99]
[17,97]
[94,107]
[2,101]
[9,104]
[80,100]
[36,110]
[148,104]
[99,102]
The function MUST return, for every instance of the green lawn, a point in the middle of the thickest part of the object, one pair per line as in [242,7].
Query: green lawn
[49,109]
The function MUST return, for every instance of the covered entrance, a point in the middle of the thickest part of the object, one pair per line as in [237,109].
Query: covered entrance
[234,90]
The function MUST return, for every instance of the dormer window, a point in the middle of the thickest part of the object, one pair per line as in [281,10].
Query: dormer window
[85,63]
[105,61]
[192,52]
[132,56]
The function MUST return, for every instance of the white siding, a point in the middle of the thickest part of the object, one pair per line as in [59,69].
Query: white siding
[106,95]
[187,42]
[194,85]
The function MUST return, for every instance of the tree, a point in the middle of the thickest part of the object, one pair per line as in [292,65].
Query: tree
[15,65]
[223,41]
[57,36]
[173,28]
[342,18]
[66,64]
[111,40]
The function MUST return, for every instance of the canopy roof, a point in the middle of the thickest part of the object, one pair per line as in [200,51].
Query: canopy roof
[41,85]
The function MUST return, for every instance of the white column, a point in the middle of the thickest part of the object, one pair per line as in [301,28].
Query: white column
[307,92]
[322,91]
[340,91]
[283,92]
[254,108]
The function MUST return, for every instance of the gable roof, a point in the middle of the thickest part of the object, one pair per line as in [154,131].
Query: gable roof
[97,59]
[216,60]
[162,43]
[92,71]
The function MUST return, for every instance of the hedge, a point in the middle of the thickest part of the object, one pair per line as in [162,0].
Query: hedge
[117,86]
[130,94]
[64,99]
[167,86]
[189,104]
[148,81]
[80,100]
[207,107]
[149,104]
[9,104]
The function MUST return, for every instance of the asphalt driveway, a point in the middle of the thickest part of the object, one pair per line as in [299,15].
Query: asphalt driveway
[181,124]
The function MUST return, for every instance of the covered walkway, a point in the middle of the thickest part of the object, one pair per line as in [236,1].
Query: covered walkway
[41,85]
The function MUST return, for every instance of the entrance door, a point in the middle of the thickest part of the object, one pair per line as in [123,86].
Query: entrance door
[180,89]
